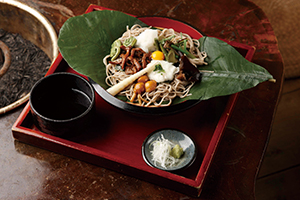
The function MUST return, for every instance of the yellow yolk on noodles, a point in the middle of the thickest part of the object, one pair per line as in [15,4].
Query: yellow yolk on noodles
[157,55]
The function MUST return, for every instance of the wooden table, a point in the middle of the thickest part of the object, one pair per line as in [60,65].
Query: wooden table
[28,172]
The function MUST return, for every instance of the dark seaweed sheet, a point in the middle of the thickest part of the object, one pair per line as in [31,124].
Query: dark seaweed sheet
[28,64]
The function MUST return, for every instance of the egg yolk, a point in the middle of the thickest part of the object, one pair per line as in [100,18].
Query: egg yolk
[157,55]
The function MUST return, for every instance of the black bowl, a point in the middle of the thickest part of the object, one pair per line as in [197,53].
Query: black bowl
[62,104]
[155,21]
[139,110]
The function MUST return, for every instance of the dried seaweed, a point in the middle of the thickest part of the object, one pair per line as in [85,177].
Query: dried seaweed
[28,64]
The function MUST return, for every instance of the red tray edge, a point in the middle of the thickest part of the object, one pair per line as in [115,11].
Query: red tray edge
[84,153]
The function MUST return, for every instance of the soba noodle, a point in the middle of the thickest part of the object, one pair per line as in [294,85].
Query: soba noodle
[165,92]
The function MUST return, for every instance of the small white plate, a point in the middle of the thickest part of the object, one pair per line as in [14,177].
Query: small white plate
[176,137]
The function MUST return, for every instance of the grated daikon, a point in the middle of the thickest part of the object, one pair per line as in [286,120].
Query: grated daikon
[161,153]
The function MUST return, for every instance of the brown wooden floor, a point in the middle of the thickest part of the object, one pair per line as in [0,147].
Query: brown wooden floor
[279,176]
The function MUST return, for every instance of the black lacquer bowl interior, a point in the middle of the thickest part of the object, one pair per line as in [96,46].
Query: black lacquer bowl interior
[62,103]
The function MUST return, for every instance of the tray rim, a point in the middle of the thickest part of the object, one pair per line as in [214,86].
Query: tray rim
[185,185]
[33,137]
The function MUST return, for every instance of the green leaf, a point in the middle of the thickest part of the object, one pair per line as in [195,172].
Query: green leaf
[232,72]
[86,39]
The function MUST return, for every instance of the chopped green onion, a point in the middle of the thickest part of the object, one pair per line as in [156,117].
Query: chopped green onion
[159,68]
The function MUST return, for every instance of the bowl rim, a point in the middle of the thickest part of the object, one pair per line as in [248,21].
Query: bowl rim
[52,33]
[135,109]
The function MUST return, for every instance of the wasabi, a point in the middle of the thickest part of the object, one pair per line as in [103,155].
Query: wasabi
[166,153]
[177,151]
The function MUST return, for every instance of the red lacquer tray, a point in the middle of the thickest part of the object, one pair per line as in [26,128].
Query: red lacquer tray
[115,137]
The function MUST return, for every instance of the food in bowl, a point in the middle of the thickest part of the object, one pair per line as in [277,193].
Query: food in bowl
[166,153]
[166,60]
[169,150]
[232,72]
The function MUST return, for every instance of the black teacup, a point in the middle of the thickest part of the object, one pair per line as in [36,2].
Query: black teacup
[62,104]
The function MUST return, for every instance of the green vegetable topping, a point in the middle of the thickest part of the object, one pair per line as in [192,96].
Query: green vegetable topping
[156,44]
[188,54]
[115,49]
[162,41]
[171,57]
[159,68]
[129,42]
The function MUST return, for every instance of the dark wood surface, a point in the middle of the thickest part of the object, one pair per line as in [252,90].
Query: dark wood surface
[280,171]
[28,172]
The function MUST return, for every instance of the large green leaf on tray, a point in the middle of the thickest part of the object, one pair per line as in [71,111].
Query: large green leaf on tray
[228,71]
[85,40]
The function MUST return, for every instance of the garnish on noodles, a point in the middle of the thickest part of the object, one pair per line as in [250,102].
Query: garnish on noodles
[157,65]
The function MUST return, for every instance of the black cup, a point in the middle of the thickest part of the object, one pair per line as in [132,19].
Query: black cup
[62,104]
